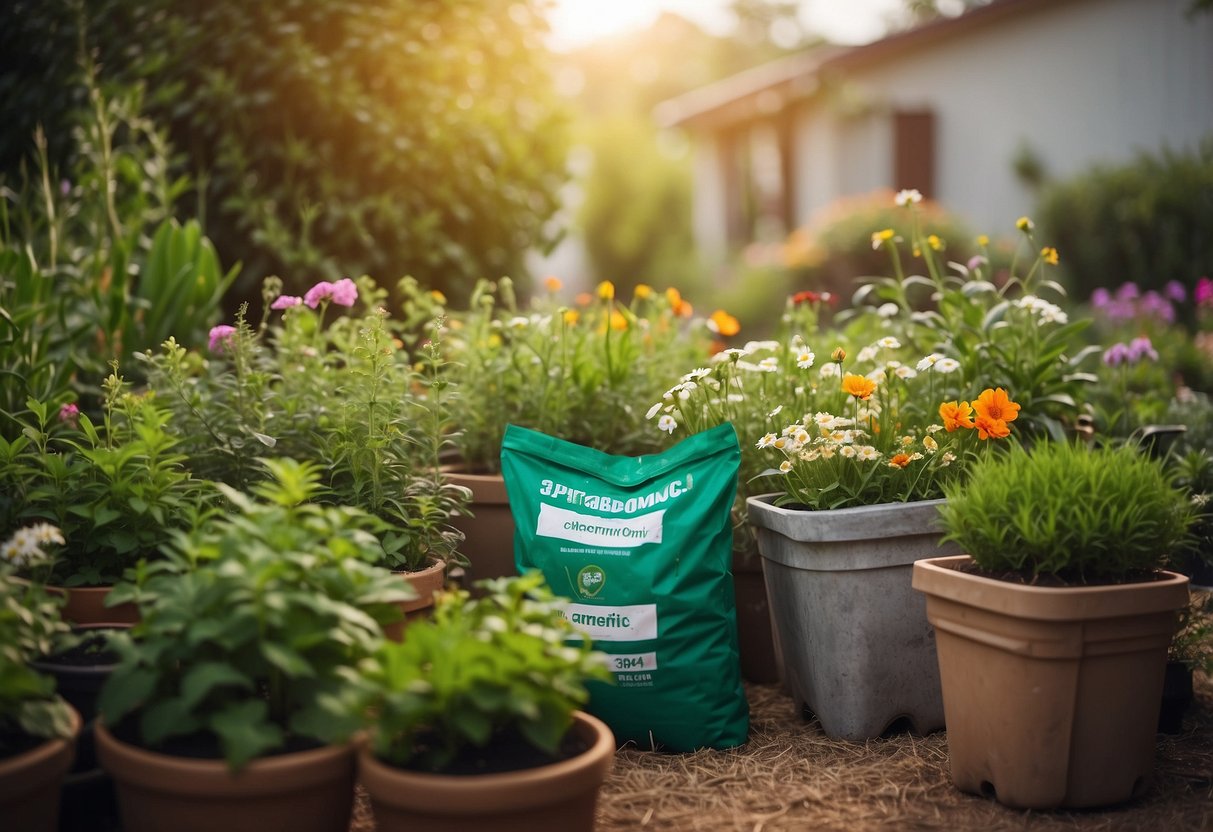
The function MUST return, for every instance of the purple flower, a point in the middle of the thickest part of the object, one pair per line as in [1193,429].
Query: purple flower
[976,262]
[1175,291]
[1116,355]
[1127,291]
[220,337]
[1140,348]
[65,187]
[286,302]
[1100,298]
[343,292]
[1156,305]
[70,414]
[1204,292]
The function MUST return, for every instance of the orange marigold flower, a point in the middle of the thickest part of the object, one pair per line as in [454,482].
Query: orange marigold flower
[857,386]
[992,428]
[996,406]
[723,323]
[899,461]
[618,322]
[552,284]
[606,290]
[956,415]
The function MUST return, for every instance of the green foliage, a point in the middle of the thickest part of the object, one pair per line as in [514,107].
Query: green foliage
[636,213]
[1066,509]
[1145,222]
[246,626]
[508,661]
[343,136]
[117,490]
[583,373]
[29,624]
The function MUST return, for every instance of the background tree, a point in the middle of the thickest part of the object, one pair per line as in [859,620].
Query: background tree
[330,137]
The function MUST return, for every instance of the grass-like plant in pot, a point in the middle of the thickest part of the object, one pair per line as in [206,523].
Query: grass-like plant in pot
[239,659]
[1062,604]
[473,719]
[38,729]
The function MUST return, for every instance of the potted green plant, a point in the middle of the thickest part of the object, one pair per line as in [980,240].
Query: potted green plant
[221,713]
[117,490]
[1061,604]
[472,720]
[580,371]
[38,729]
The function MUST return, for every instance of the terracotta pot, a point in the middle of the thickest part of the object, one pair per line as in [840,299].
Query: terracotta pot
[756,641]
[856,644]
[561,796]
[1051,694]
[305,791]
[489,532]
[30,784]
[86,606]
[425,583]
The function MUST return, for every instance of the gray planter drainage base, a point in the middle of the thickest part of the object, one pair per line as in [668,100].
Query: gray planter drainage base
[857,647]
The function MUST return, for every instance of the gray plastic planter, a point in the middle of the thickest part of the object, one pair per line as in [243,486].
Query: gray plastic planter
[857,647]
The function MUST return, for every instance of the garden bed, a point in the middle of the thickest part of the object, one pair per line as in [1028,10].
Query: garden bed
[790,776]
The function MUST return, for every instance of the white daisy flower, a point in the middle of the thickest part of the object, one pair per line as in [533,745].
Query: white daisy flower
[905,372]
[889,343]
[761,346]
[829,370]
[866,354]
[775,412]
[888,310]
[867,453]
[667,423]
[848,451]
[804,359]
[785,466]
[947,365]
[928,362]
[518,322]
[653,411]
[767,441]
[907,196]
[696,374]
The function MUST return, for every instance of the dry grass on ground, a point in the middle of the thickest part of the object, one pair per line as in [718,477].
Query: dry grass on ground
[790,776]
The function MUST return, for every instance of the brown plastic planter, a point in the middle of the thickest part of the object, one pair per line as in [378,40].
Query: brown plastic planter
[305,791]
[561,796]
[30,783]
[489,532]
[1051,695]
[425,583]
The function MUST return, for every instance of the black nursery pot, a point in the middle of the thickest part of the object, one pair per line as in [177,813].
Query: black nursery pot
[1176,697]
[87,802]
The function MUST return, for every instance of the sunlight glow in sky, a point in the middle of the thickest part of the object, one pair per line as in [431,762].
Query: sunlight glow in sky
[577,22]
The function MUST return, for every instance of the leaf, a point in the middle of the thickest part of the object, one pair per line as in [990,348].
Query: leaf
[287,660]
[124,691]
[203,678]
[245,732]
[168,718]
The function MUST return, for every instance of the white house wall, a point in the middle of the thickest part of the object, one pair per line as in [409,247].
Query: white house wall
[1081,83]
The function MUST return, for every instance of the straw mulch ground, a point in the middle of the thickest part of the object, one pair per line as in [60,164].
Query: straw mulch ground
[790,776]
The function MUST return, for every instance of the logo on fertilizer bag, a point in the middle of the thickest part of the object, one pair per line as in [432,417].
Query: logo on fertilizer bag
[590,581]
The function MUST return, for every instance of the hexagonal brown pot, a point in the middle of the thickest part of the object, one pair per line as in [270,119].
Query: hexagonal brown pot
[560,796]
[1051,694]
[304,791]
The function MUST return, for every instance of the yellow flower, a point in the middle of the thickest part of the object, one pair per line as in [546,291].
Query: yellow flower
[552,284]
[677,305]
[879,238]
[839,355]
[857,386]
[1049,254]
[935,243]
[606,290]
[930,444]
[723,323]
[1024,224]
[618,322]
[571,316]
[983,240]
[956,415]
[642,291]
[438,296]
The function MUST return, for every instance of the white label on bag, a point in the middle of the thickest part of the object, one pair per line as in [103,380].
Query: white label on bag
[615,532]
[632,623]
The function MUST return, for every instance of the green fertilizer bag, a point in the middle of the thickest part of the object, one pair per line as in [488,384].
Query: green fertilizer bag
[642,547]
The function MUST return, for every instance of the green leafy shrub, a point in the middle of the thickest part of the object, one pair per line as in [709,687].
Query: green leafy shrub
[246,627]
[1080,513]
[1145,222]
[506,662]
[339,136]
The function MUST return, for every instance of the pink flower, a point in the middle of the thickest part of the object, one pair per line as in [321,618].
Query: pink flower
[286,302]
[343,292]
[70,414]
[220,337]
[1204,292]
